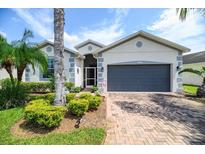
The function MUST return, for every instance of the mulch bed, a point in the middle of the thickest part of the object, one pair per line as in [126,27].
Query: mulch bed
[91,119]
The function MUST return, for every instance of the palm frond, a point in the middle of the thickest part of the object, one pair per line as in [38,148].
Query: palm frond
[182,12]
[6,53]
[190,70]
[26,35]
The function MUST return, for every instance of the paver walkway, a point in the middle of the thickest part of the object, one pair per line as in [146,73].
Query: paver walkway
[148,118]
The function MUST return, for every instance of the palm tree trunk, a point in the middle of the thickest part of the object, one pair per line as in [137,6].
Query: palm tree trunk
[9,71]
[20,71]
[58,56]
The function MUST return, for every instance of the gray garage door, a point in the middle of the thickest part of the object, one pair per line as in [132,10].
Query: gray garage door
[150,78]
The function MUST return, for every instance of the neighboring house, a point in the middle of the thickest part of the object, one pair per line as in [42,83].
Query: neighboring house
[195,61]
[138,62]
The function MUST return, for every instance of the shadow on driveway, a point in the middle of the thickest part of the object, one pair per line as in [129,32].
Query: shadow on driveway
[171,108]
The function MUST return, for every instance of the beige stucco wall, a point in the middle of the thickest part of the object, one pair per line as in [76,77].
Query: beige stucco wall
[150,51]
[190,78]
[84,49]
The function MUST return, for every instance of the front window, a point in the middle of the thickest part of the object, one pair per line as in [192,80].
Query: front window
[50,71]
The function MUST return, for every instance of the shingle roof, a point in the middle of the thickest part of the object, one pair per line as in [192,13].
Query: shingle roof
[194,58]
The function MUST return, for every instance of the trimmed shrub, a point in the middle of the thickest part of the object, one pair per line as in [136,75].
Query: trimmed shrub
[52,83]
[50,97]
[70,97]
[94,102]
[69,85]
[43,87]
[41,113]
[75,90]
[94,89]
[12,95]
[35,87]
[78,106]
[85,96]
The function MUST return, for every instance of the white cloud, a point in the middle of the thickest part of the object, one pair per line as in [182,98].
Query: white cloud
[188,33]
[107,31]
[104,35]
[41,22]
[3,34]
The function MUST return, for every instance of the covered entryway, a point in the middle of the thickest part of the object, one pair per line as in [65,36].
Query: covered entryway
[145,78]
[90,71]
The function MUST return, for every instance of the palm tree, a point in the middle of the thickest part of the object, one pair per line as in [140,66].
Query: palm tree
[183,12]
[26,53]
[7,59]
[58,56]
[201,73]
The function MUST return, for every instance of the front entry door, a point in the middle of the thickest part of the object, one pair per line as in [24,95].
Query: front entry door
[90,76]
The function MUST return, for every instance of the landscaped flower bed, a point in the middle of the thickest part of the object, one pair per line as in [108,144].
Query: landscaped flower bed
[11,134]
[42,123]
[80,121]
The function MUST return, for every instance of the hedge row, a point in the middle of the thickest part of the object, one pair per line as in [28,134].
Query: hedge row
[35,87]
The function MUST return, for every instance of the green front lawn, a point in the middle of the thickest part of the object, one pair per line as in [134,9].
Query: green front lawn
[190,89]
[79,136]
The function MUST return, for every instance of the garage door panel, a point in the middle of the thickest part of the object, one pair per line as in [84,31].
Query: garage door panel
[139,78]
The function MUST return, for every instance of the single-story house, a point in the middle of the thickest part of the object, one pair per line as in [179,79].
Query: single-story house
[139,62]
[195,61]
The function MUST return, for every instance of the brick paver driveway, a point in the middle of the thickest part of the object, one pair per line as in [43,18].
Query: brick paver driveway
[148,118]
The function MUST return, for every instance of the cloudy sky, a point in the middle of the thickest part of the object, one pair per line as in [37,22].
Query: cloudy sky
[105,25]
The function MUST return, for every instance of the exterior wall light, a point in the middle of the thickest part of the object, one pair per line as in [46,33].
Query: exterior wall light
[179,68]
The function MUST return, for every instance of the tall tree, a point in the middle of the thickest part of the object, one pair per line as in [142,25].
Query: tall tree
[27,53]
[59,71]
[7,59]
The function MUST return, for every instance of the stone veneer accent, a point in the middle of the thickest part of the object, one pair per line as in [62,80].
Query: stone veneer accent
[72,68]
[179,78]
[100,78]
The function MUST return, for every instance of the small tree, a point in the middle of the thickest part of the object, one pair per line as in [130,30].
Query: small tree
[26,53]
[7,59]
[183,13]
[201,73]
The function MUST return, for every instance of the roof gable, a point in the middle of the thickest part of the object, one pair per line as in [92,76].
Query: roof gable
[46,42]
[147,36]
[89,41]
